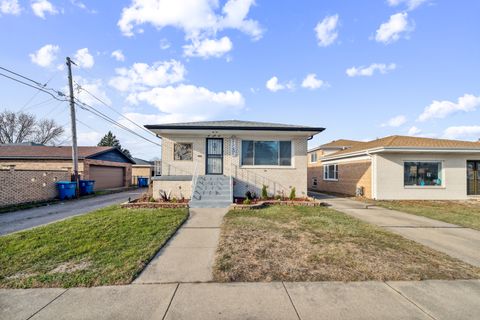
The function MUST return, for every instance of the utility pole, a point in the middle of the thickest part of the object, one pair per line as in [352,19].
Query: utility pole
[74,126]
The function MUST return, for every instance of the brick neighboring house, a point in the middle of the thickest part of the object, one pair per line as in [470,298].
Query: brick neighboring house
[108,166]
[398,168]
[142,168]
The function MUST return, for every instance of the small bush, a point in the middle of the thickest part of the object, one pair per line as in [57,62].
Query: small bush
[292,194]
[264,192]
[278,197]
[151,199]
[247,201]
[248,195]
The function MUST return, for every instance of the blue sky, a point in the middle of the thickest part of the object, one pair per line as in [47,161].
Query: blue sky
[361,69]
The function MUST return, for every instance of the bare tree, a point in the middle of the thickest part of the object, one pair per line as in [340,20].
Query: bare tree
[18,127]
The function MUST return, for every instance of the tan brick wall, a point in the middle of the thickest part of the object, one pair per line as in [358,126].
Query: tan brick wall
[41,164]
[278,179]
[22,186]
[350,176]
[127,179]
[177,189]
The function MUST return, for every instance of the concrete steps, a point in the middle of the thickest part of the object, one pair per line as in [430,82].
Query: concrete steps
[211,192]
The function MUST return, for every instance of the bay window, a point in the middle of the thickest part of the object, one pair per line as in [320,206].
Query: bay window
[266,153]
[422,173]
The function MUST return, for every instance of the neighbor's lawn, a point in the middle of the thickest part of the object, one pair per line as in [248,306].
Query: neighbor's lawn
[463,213]
[321,244]
[104,247]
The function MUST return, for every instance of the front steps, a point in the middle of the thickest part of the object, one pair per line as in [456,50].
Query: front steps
[212,191]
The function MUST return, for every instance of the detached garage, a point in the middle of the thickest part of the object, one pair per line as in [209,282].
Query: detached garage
[108,166]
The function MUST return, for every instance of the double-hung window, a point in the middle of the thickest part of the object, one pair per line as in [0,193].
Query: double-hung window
[266,153]
[422,173]
[330,172]
[313,157]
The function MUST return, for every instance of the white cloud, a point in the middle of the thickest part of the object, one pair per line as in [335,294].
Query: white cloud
[82,6]
[10,7]
[411,4]
[395,121]
[40,7]
[370,70]
[164,44]
[391,30]
[462,132]
[118,55]
[326,30]
[208,48]
[197,18]
[89,138]
[45,56]
[441,109]
[311,82]
[95,87]
[188,100]
[413,131]
[84,59]
[273,85]
[141,75]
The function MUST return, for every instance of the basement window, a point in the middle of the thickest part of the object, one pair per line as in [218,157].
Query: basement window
[330,172]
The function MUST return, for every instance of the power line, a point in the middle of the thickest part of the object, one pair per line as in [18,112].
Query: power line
[34,87]
[113,109]
[36,93]
[98,113]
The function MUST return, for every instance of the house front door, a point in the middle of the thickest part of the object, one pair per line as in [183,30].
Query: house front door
[214,156]
[473,177]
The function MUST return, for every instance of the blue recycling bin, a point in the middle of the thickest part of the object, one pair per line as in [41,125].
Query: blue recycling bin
[86,187]
[142,182]
[66,189]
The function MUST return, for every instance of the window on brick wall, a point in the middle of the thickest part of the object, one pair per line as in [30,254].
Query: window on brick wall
[314,182]
[330,172]
[313,157]
[266,153]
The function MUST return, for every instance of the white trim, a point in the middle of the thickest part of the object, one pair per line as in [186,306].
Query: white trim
[335,172]
[374,177]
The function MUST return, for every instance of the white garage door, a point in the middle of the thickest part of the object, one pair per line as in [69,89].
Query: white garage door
[107,177]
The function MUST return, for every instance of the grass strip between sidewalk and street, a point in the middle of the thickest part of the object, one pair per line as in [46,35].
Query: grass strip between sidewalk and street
[280,243]
[109,246]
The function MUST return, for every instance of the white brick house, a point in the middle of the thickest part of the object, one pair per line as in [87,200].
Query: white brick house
[248,154]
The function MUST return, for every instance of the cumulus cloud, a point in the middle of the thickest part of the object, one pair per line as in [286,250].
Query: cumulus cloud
[311,82]
[96,87]
[413,131]
[393,29]
[45,56]
[118,55]
[274,85]
[84,59]
[184,100]
[462,132]
[441,109]
[326,30]
[141,75]
[41,7]
[395,121]
[370,70]
[208,48]
[10,7]
[411,4]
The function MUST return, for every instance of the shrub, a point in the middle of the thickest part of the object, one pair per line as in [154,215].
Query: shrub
[292,194]
[247,201]
[264,192]
[278,197]
[248,195]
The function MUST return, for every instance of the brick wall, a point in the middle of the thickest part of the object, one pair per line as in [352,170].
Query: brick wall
[23,186]
[141,171]
[350,176]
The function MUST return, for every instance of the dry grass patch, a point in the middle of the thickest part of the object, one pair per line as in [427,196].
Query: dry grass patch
[321,244]
[462,213]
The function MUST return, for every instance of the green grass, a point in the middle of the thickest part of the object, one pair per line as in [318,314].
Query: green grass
[105,247]
[462,213]
[320,244]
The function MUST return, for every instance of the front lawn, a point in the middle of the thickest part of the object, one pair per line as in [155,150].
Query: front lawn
[320,244]
[105,247]
[462,213]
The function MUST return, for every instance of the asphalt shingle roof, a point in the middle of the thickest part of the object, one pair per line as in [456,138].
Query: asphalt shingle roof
[47,152]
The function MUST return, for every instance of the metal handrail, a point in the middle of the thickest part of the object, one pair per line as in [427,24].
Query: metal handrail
[251,177]
[194,178]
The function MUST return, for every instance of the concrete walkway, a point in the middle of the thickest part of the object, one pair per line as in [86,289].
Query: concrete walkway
[189,255]
[459,242]
[453,300]
[30,218]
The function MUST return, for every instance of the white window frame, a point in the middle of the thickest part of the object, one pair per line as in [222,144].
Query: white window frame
[442,172]
[313,155]
[326,176]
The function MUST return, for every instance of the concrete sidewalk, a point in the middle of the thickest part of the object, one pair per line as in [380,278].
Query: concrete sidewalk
[190,254]
[459,242]
[30,218]
[277,300]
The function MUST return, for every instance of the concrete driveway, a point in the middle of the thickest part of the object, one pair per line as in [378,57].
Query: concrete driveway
[456,241]
[26,219]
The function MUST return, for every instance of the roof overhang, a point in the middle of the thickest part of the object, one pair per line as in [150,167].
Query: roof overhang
[398,150]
